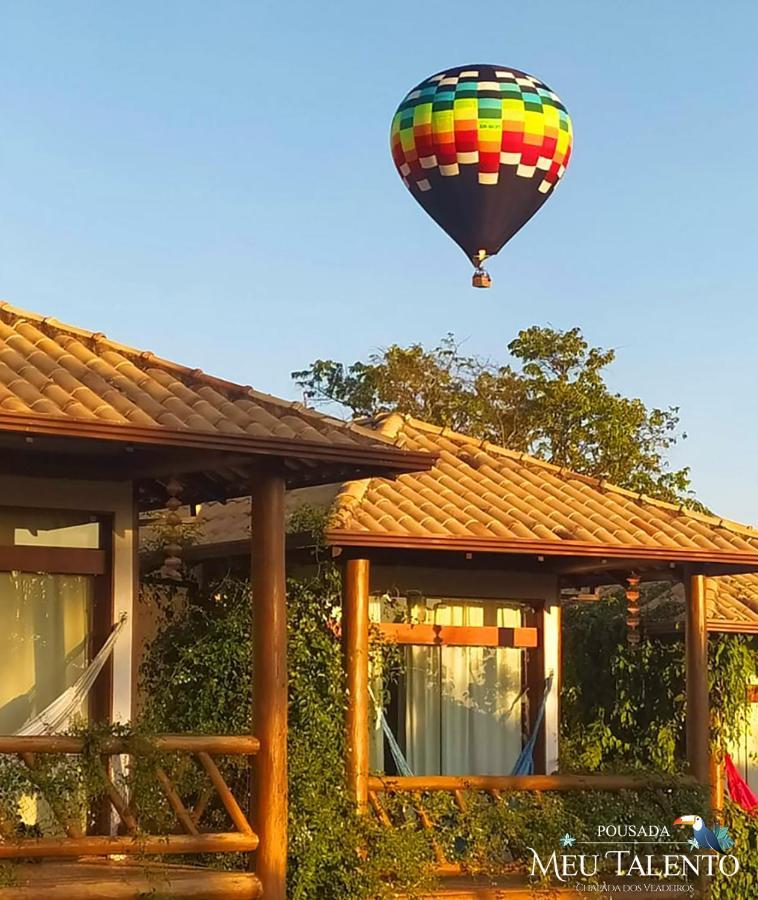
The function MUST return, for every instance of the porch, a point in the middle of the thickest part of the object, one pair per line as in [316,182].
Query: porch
[486,520]
[390,538]
[116,830]
[92,432]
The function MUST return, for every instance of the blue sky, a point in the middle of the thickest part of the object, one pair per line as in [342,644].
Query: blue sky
[213,182]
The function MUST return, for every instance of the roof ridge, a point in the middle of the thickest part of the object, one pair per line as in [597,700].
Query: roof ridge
[10,314]
[563,472]
[349,496]
[390,424]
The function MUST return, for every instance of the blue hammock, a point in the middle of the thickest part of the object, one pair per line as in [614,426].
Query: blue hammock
[524,765]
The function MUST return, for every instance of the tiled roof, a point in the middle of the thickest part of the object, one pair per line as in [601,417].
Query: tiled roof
[731,601]
[472,478]
[68,380]
[229,522]
[482,496]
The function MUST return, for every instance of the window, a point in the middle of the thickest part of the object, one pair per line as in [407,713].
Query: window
[456,710]
[44,631]
[50,563]
[43,528]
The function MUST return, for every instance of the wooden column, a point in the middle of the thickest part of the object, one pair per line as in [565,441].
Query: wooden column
[535,675]
[268,810]
[355,599]
[696,670]
[100,701]
[717,782]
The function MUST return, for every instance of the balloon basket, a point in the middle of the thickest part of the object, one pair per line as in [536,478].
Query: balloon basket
[481,279]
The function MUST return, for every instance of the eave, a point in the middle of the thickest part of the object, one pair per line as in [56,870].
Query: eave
[390,458]
[337,538]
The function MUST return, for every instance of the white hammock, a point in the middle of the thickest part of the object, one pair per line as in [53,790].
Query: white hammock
[58,713]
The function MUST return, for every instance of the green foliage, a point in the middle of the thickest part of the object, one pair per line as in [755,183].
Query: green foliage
[624,706]
[69,788]
[493,838]
[744,831]
[196,677]
[333,853]
[552,402]
[732,663]
[196,672]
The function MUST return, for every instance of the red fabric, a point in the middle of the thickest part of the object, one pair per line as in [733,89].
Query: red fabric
[739,790]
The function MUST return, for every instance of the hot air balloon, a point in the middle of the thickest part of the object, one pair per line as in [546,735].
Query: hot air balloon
[481,148]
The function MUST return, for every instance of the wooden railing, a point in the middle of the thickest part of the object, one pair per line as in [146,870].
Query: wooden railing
[462,786]
[188,836]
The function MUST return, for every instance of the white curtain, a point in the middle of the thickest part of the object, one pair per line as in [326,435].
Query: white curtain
[44,625]
[462,715]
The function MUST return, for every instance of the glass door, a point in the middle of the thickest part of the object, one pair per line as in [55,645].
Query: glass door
[50,566]
[44,631]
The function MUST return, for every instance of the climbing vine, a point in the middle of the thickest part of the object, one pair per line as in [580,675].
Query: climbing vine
[624,707]
[196,677]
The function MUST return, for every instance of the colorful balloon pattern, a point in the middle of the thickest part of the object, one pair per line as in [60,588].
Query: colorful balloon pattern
[481,148]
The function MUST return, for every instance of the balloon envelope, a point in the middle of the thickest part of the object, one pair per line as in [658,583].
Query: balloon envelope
[481,148]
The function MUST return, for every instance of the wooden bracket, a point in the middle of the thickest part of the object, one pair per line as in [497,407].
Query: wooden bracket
[459,635]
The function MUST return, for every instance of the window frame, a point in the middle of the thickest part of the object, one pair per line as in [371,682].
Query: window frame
[57,560]
[525,637]
[97,563]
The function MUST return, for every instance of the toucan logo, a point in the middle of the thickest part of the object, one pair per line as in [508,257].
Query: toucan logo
[704,838]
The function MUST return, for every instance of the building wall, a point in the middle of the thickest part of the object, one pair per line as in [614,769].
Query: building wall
[113,498]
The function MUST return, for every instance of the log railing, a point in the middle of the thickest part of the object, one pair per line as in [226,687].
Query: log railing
[462,787]
[189,834]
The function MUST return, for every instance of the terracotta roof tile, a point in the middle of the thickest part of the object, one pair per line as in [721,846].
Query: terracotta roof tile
[732,603]
[437,505]
[733,599]
[482,491]
[65,374]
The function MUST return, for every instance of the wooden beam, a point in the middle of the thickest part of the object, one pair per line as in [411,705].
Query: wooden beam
[458,635]
[53,560]
[121,880]
[627,555]
[376,456]
[269,623]
[98,845]
[220,744]
[710,569]
[696,673]
[452,783]
[355,637]
[535,683]
[615,564]
[732,627]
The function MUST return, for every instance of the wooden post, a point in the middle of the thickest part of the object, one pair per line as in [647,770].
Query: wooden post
[535,681]
[100,702]
[696,672]
[268,809]
[717,782]
[355,600]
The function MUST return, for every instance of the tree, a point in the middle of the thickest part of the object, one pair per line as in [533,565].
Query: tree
[551,401]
